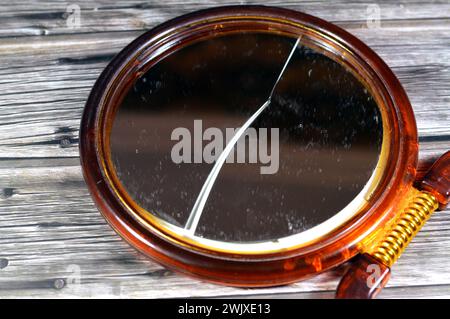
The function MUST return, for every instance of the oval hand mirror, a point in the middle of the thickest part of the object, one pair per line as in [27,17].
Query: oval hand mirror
[252,146]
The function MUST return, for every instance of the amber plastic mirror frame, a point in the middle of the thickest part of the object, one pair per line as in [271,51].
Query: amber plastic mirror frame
[265,269]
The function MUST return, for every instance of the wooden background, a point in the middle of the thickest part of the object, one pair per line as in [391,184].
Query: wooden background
[53,241]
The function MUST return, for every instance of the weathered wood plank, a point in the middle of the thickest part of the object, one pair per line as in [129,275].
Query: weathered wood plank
[20,18]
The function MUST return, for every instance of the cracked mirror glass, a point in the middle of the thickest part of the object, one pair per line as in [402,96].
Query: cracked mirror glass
[247,138]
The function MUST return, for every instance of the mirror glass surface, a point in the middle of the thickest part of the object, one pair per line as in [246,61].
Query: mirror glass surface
[313,140]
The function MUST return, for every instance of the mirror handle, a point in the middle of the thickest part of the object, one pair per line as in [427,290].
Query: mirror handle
[370,271]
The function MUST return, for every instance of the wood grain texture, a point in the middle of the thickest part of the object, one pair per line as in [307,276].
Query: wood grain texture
[53,241]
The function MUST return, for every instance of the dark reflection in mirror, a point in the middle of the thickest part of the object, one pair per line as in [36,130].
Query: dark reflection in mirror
[330,135]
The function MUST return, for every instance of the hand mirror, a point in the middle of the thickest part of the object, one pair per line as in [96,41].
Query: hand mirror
[257,146]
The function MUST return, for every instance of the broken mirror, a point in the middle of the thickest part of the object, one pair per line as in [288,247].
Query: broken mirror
[245,139]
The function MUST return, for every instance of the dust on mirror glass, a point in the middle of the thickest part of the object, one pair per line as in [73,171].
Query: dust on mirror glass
[244,138]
